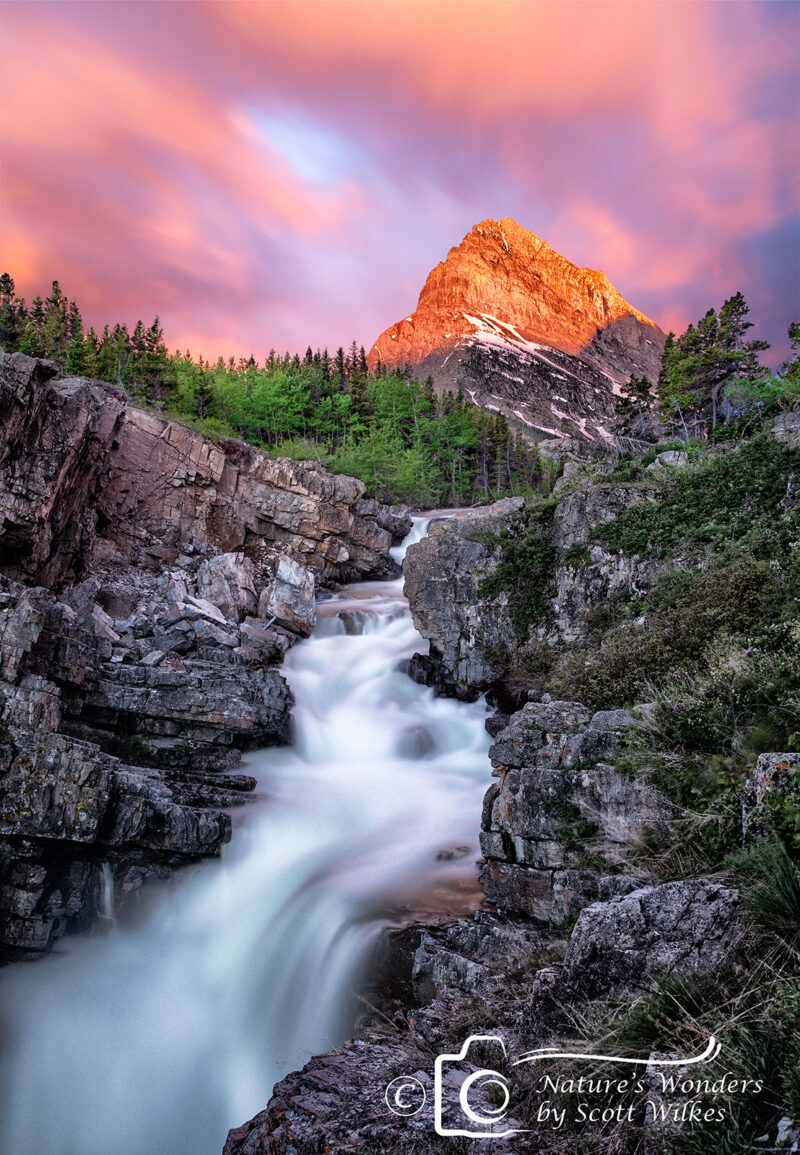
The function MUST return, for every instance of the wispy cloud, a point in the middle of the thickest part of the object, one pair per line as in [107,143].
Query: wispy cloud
[280,173]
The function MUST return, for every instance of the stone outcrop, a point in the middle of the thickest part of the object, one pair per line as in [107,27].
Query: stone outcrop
[113,733]
[150,581]
[523,331]
[678,928]
[472,634]
[560,816]
[88,482]
[469,635]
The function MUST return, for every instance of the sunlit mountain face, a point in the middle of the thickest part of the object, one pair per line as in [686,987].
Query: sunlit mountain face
[516,328]
[282,174]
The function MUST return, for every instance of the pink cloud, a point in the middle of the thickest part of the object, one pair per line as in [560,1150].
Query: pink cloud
[278,174]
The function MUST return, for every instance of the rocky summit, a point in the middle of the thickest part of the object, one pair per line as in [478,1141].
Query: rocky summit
[520,330]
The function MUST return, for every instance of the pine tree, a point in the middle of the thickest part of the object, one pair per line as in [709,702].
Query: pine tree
[55,331]
[76,349]
[359,400]
[32,339]
[205,401]
[9,317]
[352,359]
[91,354]
[339,366]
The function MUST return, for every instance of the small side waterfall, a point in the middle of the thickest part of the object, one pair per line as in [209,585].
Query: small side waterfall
[173,1027]
[107,893]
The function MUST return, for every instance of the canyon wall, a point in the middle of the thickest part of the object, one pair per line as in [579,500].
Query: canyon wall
[150,584]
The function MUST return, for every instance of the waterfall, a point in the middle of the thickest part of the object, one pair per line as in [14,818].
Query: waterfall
[174,1026]
[107,893]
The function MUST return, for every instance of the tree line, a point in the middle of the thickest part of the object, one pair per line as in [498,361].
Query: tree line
[405,441]
[397,435]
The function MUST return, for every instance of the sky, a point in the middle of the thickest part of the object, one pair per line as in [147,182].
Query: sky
[283,174]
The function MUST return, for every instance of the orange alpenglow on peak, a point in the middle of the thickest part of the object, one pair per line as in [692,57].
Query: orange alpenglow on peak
[502,275]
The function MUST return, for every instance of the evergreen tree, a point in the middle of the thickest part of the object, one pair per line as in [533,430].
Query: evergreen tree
[339,366]
[55,331]
[76,349]
[710,371]
[352,359]
[635,409]
[32,341]
[10,330]
[91,354]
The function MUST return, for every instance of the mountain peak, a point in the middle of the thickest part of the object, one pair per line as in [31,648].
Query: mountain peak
[505,286]
[509,273]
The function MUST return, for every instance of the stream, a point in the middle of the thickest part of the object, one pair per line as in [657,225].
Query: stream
[172,1026]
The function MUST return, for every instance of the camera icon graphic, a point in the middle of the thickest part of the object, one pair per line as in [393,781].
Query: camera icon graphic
[480,1118]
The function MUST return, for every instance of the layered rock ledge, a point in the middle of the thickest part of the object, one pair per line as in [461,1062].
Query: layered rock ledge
[150,584]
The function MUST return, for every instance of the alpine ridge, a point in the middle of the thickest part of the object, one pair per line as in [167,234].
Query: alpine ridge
[522,331]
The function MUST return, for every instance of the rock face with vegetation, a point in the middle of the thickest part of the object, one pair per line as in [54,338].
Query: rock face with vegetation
[640,849]
[561,816]
[150,583]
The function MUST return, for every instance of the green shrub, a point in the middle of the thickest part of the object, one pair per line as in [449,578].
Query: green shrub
[526,572]
[708,503]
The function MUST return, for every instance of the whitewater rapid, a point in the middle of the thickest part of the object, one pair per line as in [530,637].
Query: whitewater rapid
[162,1033]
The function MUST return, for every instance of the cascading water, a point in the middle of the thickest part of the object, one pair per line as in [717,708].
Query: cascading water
[107,893]
[173,1027]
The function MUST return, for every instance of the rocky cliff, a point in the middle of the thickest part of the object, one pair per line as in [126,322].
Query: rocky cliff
[522,331]
[150,583]
[514,972]
[475,626]
[639,859]
[89,482]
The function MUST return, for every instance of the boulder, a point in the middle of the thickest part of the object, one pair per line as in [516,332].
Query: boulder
[678,928]
[670,459]
[786,428]
[227,581]
[290,601]
[773,785]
